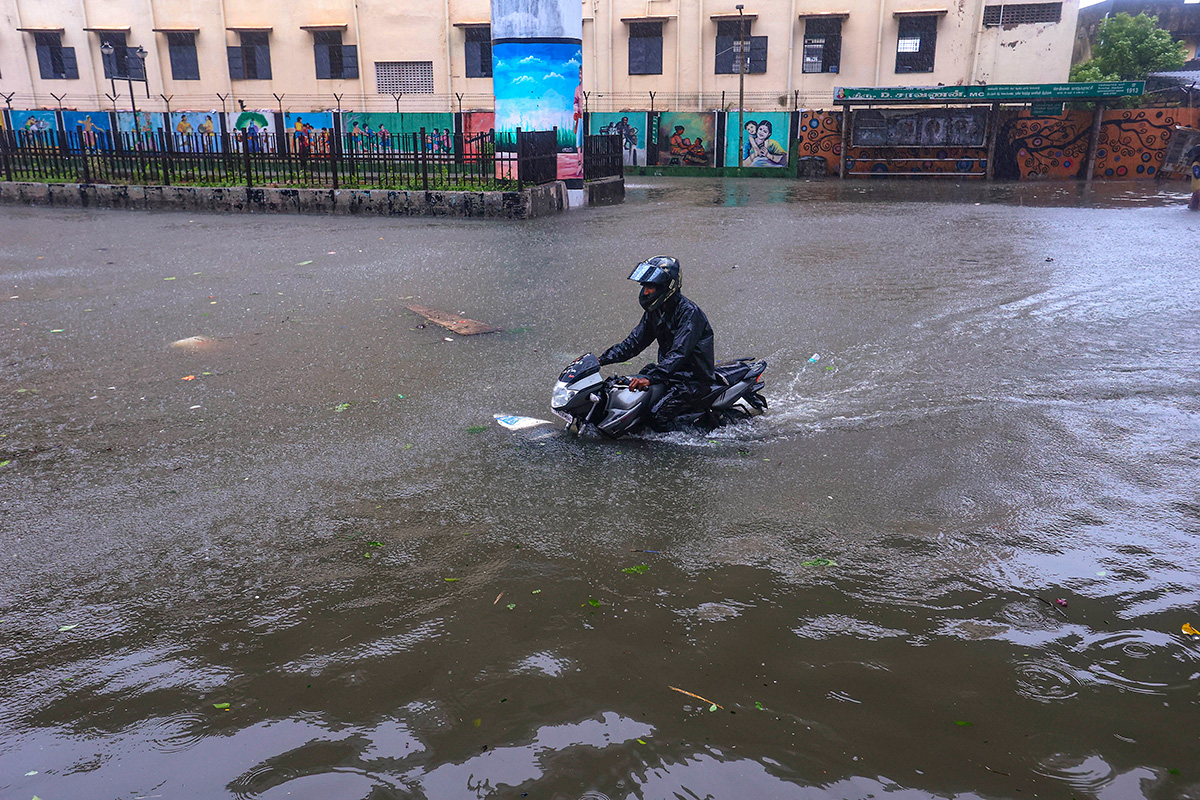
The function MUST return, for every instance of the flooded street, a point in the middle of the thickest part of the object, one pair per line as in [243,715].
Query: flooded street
[297,558]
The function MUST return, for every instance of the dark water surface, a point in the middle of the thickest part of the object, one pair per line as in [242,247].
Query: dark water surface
[397,598]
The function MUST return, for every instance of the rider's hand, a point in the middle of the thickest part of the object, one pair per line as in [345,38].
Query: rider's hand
[639,384]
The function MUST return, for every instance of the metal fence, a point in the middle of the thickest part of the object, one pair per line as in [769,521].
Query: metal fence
[603,156]
[419,160]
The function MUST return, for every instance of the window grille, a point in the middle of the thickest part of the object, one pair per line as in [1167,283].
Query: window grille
[407,77]
[1021,14]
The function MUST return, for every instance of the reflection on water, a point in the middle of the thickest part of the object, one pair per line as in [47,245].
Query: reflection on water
[952,560]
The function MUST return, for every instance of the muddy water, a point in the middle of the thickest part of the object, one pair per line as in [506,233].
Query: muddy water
[953,560]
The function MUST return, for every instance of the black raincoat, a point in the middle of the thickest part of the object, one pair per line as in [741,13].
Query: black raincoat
[685,345]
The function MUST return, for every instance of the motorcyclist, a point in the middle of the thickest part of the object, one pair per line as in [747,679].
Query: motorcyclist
[685,341]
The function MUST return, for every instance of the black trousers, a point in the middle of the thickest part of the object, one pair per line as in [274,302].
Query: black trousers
[679,398]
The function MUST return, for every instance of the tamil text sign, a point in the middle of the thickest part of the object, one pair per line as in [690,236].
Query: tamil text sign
[996,93]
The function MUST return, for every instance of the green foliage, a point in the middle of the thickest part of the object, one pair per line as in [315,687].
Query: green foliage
[1129,49]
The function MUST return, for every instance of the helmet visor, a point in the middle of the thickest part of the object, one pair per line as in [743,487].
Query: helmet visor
[648,273]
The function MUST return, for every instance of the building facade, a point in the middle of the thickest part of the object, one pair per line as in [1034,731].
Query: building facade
[435,55]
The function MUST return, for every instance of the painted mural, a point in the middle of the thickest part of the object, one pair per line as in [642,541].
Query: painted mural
[94,127]
[1133,141]
[387,130]
[630,126]
[476,126]
[537,87]
[253,130]
[33,121]
[686,139]
[819,136]
[148,121]
[764,140]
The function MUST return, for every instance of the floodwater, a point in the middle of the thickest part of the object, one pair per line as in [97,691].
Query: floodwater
[298,559]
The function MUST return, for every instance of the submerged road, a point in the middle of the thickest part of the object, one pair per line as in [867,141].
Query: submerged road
[261,537]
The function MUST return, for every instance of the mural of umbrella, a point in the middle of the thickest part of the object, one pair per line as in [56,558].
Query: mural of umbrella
[246,117]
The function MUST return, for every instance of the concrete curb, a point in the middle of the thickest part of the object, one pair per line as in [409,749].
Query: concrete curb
[534,201]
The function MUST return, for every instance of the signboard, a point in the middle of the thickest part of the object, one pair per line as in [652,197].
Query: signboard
[1045,108]
[996,93]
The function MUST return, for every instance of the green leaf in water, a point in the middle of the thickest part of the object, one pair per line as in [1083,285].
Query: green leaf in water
[221,706]
[759,706]
[962,723]
[593,602]
[820,562]
[713,707]
[536,591]
[5,463]
[476,428]
[67,628]
[303,263]
[638,570]
[511,606]
[340,407]
[641,741]
[375,544]
[449,580]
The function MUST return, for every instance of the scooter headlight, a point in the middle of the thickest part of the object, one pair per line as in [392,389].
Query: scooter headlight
[561,395]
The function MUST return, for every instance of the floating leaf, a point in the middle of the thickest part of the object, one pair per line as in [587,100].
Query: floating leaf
[477,722]
[759,706]
[5,463]
[366,555]
[375,544]
[713,707]
[535,591]
[1187,626]
[221,706]
[593,602]
[477,428]
[1173,771]
[168,279]
[67,628]
[962,723]
[511,606]
[57,330]
[638,570]
[641,741]
[449,580]
[303,263]
[820,562]
[340,407]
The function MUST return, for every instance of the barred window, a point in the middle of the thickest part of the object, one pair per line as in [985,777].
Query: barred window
[822,45]
[407,77]
[477,50]
[1021,14]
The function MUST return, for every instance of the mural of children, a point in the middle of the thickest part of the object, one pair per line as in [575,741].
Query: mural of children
[749,146]
[385,136]
[356,137]
[768,152]
[89,132]
[696,155]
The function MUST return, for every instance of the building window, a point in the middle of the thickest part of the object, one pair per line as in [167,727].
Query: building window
[335,61]
[55,62]
[915,44]
[405,77]
[730,36]
[1023,14]
[182,47]
[478,50]
[251,61]
[121,63]
[822,44]
[645,48]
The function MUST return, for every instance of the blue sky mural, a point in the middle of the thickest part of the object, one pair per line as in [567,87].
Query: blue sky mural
[535,84]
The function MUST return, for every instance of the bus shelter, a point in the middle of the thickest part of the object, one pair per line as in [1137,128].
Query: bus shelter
[909,119]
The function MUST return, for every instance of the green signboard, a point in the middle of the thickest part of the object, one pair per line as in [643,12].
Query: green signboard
[1045,108]
[995,93]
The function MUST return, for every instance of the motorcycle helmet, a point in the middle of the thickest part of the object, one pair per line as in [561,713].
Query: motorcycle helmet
[662,272]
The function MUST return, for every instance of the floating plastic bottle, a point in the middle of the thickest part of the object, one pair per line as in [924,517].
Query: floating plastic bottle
[815,358]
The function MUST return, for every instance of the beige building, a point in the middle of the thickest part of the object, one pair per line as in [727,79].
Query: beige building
[434,55]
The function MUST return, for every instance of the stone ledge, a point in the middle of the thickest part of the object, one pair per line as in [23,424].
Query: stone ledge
[534,201]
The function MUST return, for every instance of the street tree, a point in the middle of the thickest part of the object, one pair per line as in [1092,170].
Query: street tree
[1129,49]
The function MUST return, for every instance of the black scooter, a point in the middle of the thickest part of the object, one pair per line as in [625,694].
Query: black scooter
[582,397]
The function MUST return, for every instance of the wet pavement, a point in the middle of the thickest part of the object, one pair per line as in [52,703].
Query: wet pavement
[297,558]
